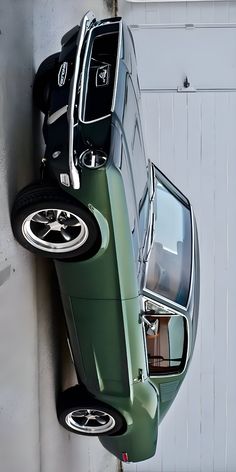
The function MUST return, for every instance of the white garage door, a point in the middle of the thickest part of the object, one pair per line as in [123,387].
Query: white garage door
[192,138]
[205,54]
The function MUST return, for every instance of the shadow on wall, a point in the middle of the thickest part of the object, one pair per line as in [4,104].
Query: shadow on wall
[112,6]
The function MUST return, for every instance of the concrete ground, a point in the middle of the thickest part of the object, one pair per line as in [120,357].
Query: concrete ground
[35,363]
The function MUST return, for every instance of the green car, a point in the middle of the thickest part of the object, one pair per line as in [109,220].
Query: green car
[123,238]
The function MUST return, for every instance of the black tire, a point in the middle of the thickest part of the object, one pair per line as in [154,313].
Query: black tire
[43,81]
[78,222]
[77,399]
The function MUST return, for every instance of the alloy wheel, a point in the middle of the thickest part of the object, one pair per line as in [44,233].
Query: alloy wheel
[92,421]
[55,230]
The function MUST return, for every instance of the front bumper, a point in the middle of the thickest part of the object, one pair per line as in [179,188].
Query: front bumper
[78,120]
[85,25]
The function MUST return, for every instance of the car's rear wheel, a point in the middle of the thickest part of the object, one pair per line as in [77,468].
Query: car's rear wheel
[80,413]
[47,221]
[43,82]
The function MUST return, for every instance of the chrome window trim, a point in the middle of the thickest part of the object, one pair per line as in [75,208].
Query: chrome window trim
[84,26]
[172,313]
[152,180]
[193,258]
[84,69]
[150,233]
[117,66]
[147,254]
[146,249]
[164,300]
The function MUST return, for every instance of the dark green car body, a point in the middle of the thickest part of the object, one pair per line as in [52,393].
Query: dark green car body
[102,299]
[105,296]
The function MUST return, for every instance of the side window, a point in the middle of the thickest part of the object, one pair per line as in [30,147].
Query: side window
[169,266]
[166,339]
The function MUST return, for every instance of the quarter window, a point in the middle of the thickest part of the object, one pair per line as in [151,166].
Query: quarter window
[166,338]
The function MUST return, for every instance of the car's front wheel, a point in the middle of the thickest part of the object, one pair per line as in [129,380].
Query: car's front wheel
[80,413]
[48,222]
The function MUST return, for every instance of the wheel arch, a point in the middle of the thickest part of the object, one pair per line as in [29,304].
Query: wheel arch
[42,197]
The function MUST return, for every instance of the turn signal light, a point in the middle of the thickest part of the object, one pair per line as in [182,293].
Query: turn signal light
[125,457]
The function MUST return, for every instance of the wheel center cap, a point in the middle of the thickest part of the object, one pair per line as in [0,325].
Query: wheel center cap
[55,226]
[91,417]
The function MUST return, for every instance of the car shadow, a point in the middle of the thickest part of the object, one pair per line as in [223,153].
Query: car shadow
[21,150]
[54,354]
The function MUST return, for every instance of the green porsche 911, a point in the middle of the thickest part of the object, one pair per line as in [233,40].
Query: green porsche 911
[123,238]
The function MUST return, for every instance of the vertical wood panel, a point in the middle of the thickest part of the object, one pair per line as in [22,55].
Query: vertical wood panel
[220,281]
[192,410]
[231,12]
[181,12]
[194,137]
[231,344]
[206,201]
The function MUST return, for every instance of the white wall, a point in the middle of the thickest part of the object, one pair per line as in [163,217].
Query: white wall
[182,12]
[192,137]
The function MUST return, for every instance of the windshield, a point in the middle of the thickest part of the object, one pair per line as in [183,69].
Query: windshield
[169,265]
[166,338]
